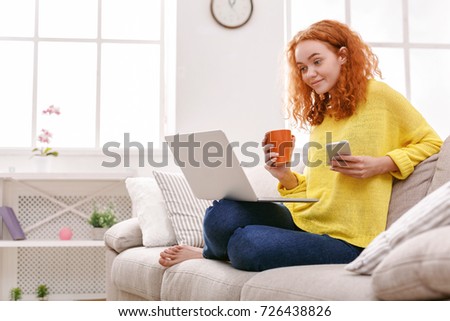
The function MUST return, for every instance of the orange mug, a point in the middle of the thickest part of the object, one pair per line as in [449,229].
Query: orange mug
[282,142]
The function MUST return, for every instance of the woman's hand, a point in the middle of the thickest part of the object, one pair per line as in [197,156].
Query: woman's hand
[363,166]
[282,172]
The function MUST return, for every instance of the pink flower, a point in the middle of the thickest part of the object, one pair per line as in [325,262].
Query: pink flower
[44,136]
[52,110]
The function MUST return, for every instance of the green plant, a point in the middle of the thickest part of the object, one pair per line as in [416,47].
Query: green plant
[42,291]
[45,152]
[102,218]
[15,294]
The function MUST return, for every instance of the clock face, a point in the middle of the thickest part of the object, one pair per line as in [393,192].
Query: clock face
[231,13]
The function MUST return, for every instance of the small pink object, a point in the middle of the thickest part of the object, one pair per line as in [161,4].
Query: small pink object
[65,234]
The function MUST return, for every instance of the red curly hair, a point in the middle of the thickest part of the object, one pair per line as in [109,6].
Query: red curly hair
[305,106]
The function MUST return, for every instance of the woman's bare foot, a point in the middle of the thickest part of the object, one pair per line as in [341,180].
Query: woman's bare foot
[179,253]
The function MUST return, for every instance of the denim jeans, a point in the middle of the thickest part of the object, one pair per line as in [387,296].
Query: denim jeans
[261,236]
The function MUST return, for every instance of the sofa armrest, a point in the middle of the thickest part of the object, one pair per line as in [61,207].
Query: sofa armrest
[124,235]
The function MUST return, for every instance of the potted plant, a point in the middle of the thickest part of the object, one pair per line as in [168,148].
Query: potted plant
[15,294]
[42,292]
[40,157]
[101,220]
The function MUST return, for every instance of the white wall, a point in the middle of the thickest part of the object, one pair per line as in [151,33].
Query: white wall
[229,79]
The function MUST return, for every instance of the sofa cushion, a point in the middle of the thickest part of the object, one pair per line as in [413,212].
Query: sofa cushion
[203,280]
[431,212]
[138,272]
[148,205]
[418,269]
[442,172]
[263,183]
[308,282]
[186,211]
[124,235]
[407,193]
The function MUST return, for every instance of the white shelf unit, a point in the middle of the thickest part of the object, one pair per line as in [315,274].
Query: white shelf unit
[50,243]
[44,203]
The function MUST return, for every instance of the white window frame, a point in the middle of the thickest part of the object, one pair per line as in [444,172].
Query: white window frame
[406,44]
[167,82]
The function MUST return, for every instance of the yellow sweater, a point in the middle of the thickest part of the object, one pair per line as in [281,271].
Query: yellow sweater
[351,209]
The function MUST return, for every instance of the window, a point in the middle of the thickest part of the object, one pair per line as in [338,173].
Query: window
[411,39]
[100,61]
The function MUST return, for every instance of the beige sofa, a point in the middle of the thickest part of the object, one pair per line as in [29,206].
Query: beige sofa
[133,272]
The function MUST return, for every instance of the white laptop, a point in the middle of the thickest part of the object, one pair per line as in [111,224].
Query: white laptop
[212,169]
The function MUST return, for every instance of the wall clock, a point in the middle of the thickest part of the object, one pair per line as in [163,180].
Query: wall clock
[232,13]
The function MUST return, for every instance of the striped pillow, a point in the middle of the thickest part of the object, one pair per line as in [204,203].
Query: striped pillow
[185,211]
[431,212]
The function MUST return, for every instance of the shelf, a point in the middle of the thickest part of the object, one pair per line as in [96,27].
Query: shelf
[50,243]
[45,202]
[68,297]
[67,176]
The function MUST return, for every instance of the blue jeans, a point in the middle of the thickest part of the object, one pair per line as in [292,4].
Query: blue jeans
[261,236]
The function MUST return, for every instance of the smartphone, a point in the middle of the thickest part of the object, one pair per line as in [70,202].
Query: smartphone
[337,148]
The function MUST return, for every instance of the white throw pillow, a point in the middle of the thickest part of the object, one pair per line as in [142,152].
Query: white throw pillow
[431,212]
[149,207]
[417,269]
[186,212]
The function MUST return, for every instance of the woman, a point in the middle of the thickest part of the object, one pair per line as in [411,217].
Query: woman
[333,92]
